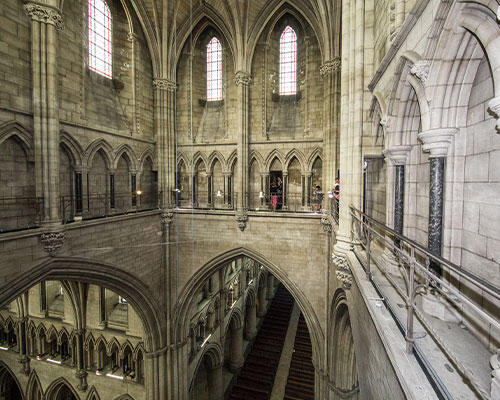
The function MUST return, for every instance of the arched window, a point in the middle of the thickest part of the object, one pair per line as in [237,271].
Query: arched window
[214,70]
[288,62]
[100,56]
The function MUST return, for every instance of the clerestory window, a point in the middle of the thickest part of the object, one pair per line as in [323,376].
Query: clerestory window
[100,45]
[288,62]
[214,70]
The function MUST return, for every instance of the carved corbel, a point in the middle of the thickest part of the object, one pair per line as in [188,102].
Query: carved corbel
[421,70]
[343,271]
[52,241]
[242,221]
[494,107]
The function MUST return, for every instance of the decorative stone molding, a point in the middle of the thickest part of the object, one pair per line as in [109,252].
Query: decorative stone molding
[52,241]
[437,141]
[421,70]
[243,78]
[44,14]
[494,107]
[397,154]
[327,225]
[343,271]
[167,218]
[242,221]
[164,84]
[330,67]
[385,122]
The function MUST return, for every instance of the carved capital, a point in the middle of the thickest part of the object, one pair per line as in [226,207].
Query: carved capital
[242,221]
[164,84]
[330,66]
[421,70]
[243,78]
[397,154]
[52,241]
[437,141]
[494,107]
[167,218]
[343,271]
[44,14]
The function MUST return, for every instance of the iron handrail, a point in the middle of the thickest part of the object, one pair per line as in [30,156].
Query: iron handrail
[413,271]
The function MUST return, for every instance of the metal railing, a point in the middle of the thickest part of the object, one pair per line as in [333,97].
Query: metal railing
[417,277]
[294,202]
[18,213]
[105,205]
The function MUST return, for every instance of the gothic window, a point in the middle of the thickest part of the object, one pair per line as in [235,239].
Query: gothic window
[288,62]
[100,58]
[214,70]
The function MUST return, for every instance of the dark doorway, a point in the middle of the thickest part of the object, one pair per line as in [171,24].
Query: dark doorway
[276,188]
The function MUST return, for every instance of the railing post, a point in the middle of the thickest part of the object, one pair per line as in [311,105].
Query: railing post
[368,251]
[411,305]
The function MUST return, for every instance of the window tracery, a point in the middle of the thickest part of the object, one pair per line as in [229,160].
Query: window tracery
[100,44]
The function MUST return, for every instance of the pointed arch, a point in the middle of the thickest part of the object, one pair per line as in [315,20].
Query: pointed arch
[51,334]
[199,157]
[195,284]
[317,152]
[139,349]
[250,296]
[182,157]
[216,156]
[150,153]
[93,395]
[34,387]
[294,153]
[89,341]
[101,340]
[62,332]
[22,135]
[72,147]
[203,17]
[231,160]
[235,319]
[275,154]
[14,378]
[99,145]
[41,330]
[130,156]
[125,345]
[124,397]
[57,385]
[113,343]
[255,155]
[213,354]
[272,12]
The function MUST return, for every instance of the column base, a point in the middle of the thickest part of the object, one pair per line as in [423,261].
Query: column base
[236,366]
[82,375]
[391,266]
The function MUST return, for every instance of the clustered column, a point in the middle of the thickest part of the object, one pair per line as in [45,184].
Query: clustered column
[45,22]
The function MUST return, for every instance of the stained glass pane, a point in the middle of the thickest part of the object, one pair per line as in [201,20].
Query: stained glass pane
[288,62]
[100,56]
[214,70]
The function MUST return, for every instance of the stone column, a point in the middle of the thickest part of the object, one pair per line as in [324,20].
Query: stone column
[265,190]
[243,80]
[251,321]
[164,100]
[261,295]
[81,372]
[270,287]
[215,383]
[236,359]
[22,345]
[437,142]
[285,190]
[330,71]
[397,157]
[45,22]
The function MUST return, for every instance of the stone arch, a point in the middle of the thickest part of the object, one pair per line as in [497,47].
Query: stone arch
[99,340]
[148,152]
[102,146]
[213,354]
[125,345]
[51,333]
[22,135]
[93,395]
[274,11]
[317,152]
[274,155]
[73,148]
[97,273]
[216,156]
[6,373]
[89,341]
[198,158]
[235,320]
[60,336]
[202,17]
[113,344]
[34,388]
[124,397]
[255,156]
[250,296]
[56,386]
[181,319]
[341,353]
[294,153]
[130,156]
[232,159]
